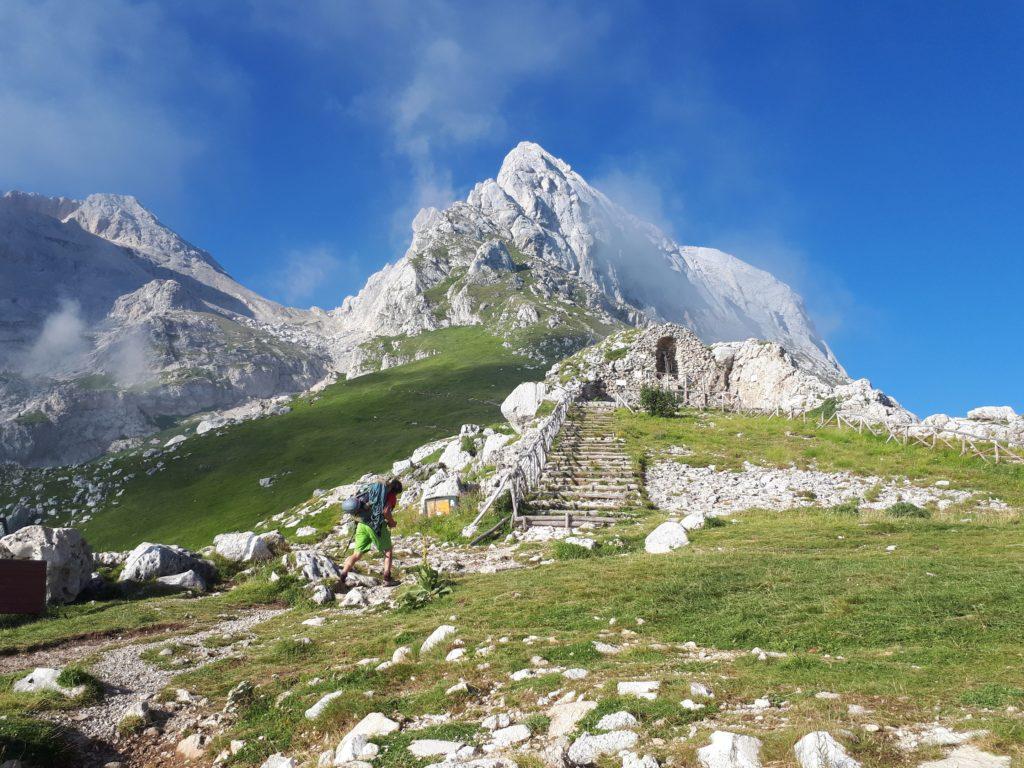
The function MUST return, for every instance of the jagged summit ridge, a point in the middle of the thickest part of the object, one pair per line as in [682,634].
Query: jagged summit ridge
[574,237]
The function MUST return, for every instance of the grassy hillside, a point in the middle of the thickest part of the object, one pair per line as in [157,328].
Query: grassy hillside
[911,620]
[353,427]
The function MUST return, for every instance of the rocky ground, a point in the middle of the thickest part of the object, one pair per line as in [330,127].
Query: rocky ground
[679,487]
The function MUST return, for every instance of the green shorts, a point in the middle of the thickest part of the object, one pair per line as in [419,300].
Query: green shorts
[366,538]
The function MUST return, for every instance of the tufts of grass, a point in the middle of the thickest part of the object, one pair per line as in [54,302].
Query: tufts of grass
[34,742]
[994,696]
[564,550]
[74,677]
[846,509]
[906,509]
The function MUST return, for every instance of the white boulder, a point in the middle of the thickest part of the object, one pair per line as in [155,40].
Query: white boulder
[45,679]
[522,403]
[665,538]
[633,760]
[513,734]
[313,567]
[278,761]
[493,445]
[434,747]
[453,457]
[616,721]
[641,689]
[992,413]
[820,750]
[244,547]
[437,637]
[68,558]
[318,709]
[189,580]
[969,757]
[730,750]
[151,561]
[374,724]
[694,521]
[589,747]
[566,716]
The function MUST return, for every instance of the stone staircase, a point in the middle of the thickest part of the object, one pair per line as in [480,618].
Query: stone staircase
[588,476]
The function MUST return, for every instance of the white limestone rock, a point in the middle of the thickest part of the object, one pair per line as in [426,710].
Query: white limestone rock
[318,709]
[589,747]
[522,403]
[437,637]
[513,734]
[641,689]
[820,750]
[150,561]
[969,757]
[434,747]
[312,566]
[189,581]
[45,679]
[730,750]
[244,547]
[565,717]
[992,413]
[373,725]
[633,760]
[667,537]
[279,761]
[617,721]
[67,555]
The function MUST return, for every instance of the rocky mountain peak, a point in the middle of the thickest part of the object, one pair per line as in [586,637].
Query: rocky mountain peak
[53,207]
[123,220]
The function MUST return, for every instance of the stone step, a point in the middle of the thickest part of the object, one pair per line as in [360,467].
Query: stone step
[622,498]
[590,484]
[546,504]
[572,493]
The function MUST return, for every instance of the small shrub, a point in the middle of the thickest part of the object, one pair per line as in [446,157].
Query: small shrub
[658,402]
[846,509]
[616,354]
[546,409]
[468,445]
[537,723]
[906,509]
[714,522]
[430,585]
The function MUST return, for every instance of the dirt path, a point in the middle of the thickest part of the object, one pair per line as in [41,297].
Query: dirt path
[129,679]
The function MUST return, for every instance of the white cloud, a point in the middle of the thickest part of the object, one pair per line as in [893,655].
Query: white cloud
[61,345]
[308,273]
[437,75]
[88,95]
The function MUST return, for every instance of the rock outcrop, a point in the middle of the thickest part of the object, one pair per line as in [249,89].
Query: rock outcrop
[67,555]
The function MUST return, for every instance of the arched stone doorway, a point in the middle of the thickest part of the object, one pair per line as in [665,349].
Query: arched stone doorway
[665,357]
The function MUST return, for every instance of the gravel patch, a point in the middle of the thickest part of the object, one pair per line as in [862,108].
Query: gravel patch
[679,487]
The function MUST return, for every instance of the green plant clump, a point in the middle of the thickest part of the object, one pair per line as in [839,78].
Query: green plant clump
[846,509]
[658,402]
[430,585]
[906,509]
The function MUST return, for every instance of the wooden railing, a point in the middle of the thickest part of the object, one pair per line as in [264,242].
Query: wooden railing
[523,475]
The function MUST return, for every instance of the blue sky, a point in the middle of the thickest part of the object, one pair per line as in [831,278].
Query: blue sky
[868,153]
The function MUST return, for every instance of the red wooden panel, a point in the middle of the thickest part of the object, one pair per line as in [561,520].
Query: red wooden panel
[22,586]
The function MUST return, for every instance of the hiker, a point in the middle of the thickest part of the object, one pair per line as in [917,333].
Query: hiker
[374,506]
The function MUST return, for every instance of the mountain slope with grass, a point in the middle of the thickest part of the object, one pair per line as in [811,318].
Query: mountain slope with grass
[897,635]
[211,483]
